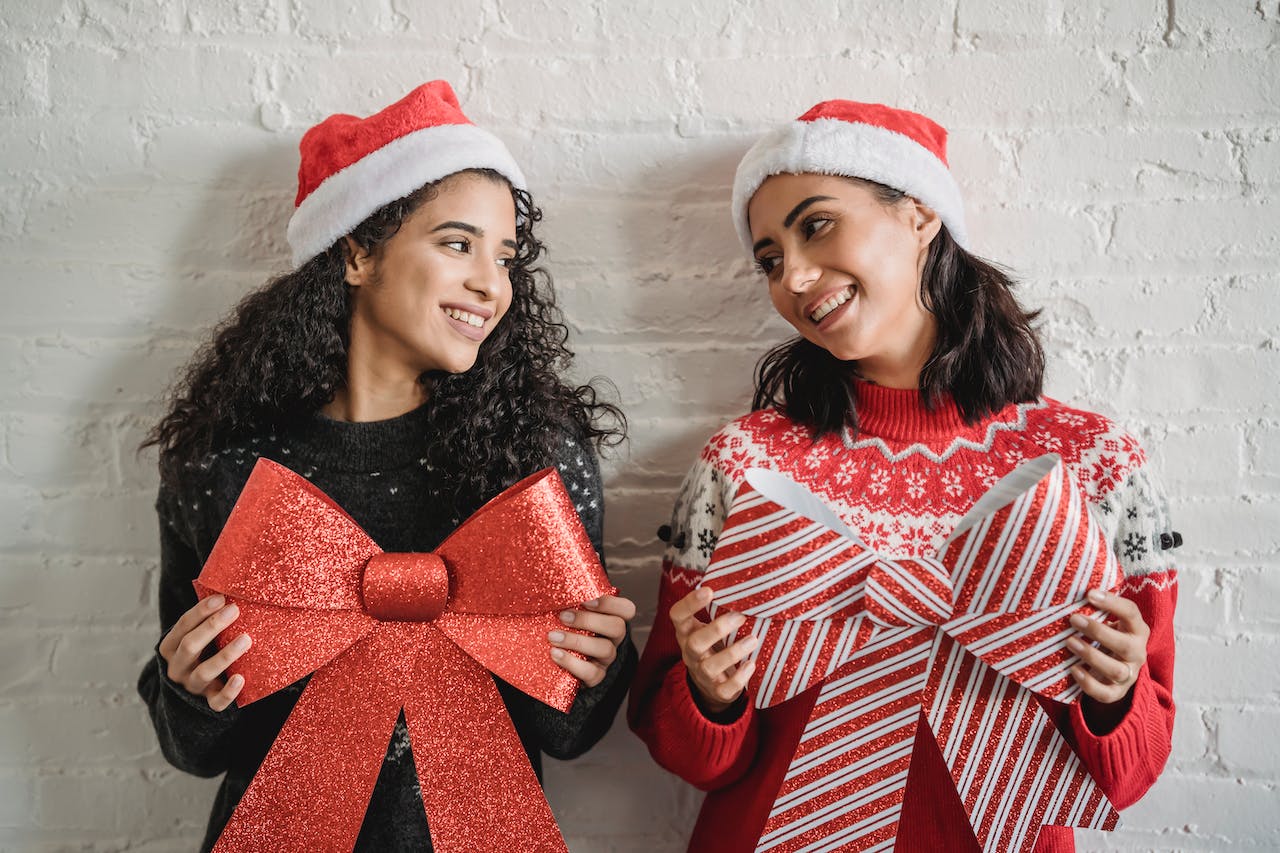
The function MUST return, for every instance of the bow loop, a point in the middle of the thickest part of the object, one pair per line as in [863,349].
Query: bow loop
[405,587]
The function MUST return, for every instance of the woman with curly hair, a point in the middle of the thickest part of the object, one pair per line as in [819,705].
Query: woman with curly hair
[409,367]
[915,383]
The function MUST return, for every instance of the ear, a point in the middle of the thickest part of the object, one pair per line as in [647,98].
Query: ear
[925,222]
[359,263]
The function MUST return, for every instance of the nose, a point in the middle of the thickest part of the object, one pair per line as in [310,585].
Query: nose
[486,277]
[799,273]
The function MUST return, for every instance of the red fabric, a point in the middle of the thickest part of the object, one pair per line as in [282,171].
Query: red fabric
[918,468]
[340,140]
[920,129]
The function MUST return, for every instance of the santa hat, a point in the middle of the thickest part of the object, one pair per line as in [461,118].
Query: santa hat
[897,148]
[353,166]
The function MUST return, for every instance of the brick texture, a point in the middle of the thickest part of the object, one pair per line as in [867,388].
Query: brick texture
[1122,156]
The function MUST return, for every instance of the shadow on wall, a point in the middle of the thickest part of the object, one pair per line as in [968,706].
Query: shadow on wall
[103,776]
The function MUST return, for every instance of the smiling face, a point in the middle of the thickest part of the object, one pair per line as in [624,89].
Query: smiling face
[439,286]
[844,269]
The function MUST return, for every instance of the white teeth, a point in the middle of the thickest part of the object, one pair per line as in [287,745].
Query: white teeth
[831,304]
[465,316]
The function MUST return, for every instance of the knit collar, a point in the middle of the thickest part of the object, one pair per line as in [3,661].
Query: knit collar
[899,414]
[370,445]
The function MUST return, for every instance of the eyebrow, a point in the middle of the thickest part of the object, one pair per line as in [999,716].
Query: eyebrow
[791,218]
[799,208]
[470,229]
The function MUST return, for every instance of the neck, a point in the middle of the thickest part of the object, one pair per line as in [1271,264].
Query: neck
[377,389]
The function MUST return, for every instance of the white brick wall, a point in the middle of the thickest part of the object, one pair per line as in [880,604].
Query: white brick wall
[1122,155]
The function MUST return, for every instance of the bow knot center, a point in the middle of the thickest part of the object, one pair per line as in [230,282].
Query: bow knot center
[405,587]
[908,592]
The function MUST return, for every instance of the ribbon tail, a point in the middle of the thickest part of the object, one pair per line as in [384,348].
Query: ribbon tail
[479,790]
[313,788]
[981,720]
[845,785]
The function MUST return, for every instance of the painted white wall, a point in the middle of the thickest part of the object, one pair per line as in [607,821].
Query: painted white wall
[1123,157]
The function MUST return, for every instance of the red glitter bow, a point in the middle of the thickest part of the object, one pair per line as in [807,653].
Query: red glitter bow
[956,644]
[384,632]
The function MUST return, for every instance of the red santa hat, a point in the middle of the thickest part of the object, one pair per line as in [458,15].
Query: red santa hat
[353,166]
[897,148]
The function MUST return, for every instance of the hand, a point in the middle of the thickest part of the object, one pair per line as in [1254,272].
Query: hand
[186,641]
[716,671]
[606,619]
[1108,672]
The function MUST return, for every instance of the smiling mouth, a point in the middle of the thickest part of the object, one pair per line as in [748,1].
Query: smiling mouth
[836,300]
[465,317]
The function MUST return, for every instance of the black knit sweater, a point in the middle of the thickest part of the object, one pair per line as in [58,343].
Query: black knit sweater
[378,473]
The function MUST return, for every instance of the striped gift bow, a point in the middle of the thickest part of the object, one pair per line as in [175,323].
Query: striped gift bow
[958,643]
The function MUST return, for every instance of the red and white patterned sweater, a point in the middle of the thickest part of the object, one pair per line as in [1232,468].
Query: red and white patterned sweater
[903,483]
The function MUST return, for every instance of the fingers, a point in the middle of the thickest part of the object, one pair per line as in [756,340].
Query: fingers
[588,672]
[1102,666]
[1127,614]
[1097,689]
[606,625]
[709,638]
[191,646]
[601,649]
[720,666]
[220,696]
[686,609]
[203,609]
[211,670]
[613,605]
[724,693]
[1120,644]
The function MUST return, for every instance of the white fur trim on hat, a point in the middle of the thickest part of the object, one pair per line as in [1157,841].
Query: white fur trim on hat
[347,197]
[830,146]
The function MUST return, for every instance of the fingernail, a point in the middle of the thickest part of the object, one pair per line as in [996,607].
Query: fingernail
[216,601]
[1074,644]
[738,619]
[235,680]
[1096,596]
[1078,621]
[240,643]
[751,642]
[592,603]
[567,617]
[556,636]
[557,653]
[704,593]
[232,611]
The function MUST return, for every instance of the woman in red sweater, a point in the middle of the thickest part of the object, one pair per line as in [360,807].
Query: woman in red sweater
[914,384]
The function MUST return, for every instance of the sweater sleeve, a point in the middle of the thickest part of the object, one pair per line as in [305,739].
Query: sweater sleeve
[562,735]
[1127,759]
[709,753]
[193,737]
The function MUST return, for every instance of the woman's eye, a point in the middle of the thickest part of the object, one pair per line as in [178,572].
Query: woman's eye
[506,263]
[459,245]
[766,265]
[813,226]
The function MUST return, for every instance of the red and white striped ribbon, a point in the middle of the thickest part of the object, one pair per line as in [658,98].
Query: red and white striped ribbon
[958,642]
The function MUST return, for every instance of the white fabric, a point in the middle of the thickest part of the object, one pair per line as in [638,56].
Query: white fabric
[347,197]
[830,146]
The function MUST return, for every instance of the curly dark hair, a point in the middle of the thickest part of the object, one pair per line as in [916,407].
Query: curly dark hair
[282,354]
[986,356]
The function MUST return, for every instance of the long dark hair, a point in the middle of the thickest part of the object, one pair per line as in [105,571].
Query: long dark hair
[282,354]
[987,353]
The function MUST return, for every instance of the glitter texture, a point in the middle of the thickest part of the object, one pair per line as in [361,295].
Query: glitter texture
[384,632]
